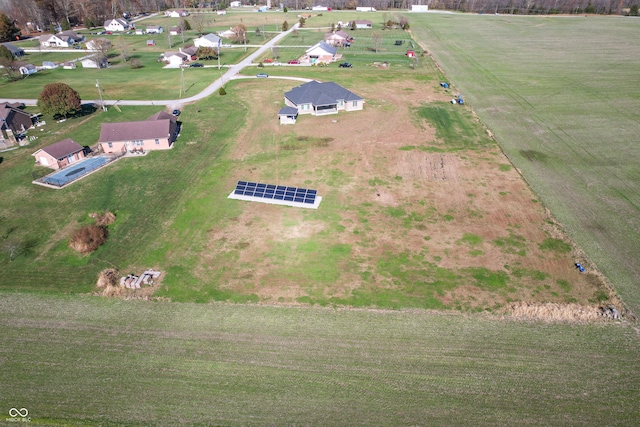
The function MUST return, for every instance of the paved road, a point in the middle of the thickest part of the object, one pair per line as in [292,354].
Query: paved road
[230,74]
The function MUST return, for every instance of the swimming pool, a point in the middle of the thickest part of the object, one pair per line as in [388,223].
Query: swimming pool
[75,171]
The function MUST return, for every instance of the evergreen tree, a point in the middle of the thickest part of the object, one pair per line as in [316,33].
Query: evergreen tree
[8,31]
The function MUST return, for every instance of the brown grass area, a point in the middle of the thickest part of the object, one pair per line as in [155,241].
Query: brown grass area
[88,238]
[458,193]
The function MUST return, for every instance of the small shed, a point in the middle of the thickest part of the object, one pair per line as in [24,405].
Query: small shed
[69,65]
[151,42]
[48,65]
[288,115]
[411,54]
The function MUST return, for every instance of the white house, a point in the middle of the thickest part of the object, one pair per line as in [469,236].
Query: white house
[235,4]
[227,34]
[154,29]
[365,9]
[175,59]
[318,98]
[176,13]
[117,24]
[175,31]
[210,40]
[321,52]
[419,8]
[25,70]
[140,32]
[364,24]
[94,63]
[55,40]
[70,65]
[320,8]
[221,12]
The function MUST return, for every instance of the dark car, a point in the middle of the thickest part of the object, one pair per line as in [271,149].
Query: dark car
[346,65]
[262,75]
[196,65]
[176,113]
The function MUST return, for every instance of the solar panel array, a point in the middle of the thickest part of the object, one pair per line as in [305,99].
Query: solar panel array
[275,192]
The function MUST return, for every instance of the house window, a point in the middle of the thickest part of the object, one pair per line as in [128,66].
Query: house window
[340,102]
[306,107]
[355,103]
[110,144]
[157,141]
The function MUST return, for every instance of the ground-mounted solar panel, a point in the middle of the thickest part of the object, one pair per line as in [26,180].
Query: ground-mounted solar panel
[276,194]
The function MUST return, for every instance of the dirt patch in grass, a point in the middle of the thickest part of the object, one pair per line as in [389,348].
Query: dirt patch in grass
[407,218]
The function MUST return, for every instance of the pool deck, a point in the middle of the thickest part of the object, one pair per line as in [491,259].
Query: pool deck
[41,181]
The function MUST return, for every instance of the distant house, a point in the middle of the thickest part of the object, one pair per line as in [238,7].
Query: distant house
[175,59]
[322,98]
[95,63]
[75,37]
[13,120]
[154,29]
[288,115]
[55,40]
[321,52]
[15,51]
[210,40]
[117,24]
[28,69]
[337,38]
[235,4]
[69,65]
[176,13]
[191,51]
[175,31]
[364,24]
[221,12]
[227,34]
[49,65]
[158,132]
[320,8]
[60,154]
[419,8]
[140,32]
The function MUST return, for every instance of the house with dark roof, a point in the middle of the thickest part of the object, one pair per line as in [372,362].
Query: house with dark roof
[322,98]
[15,51]
[320,52]
[288,115]
[60,154]
[158,132]
[13,121]
[337,38]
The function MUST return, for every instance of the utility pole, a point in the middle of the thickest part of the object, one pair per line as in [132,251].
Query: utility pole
[104,107]
[219,46]
[182,74]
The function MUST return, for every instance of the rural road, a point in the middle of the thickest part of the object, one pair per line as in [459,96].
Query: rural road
[230,74]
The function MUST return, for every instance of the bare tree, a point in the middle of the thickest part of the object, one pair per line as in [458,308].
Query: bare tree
[377,39]
[123,45]
[102,47]
[13,248]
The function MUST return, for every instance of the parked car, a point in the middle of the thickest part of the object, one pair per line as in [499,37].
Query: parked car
[262,75]
[196,65]
[268,61]
[277,63]
[176,113]
[293,62]
[346,65]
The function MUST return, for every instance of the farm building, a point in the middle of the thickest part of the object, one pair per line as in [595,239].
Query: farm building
[210,40]
[60,154]
[154,29]
[322,98]
[363,24]
[94,63]
[28,69]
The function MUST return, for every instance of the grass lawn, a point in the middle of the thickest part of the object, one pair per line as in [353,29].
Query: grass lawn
[558,95]
[92,361]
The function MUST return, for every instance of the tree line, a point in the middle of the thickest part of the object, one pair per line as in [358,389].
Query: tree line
[34,15]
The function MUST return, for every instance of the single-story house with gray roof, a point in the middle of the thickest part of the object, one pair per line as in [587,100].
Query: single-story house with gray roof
[322,98]
[60,154]
[158,132]
[15,50]
[321,52]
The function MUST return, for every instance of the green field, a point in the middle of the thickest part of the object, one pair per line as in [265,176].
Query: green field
[92,361]
[559,94]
